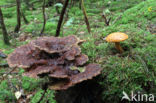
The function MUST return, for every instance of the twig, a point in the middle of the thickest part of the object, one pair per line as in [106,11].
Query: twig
[85,16]
[61,18]
[8,73]
[44,17]
[4,30]
[24,18]
[107,21]
[17,28]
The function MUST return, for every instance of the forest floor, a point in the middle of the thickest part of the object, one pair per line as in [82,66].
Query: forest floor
[135,69]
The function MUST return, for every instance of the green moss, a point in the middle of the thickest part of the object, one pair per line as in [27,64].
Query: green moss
[139,11]
[124,74]
[5,92]
[9,12]
[49,96]
[30,84]
[6,48]
[50,28]
[132,70]
[37,96]
[120,5]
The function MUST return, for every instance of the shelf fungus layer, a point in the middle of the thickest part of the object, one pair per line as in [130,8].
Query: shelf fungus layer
[58,58]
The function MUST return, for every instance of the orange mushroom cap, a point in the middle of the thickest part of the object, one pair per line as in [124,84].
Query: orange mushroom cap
[116,37]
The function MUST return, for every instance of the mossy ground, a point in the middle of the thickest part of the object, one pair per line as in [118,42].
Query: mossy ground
[134,70]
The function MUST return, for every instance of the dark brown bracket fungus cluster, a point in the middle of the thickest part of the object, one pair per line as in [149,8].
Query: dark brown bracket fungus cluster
[58,58]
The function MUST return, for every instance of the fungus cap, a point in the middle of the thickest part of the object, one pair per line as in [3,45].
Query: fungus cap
[73,52]
[56,44]
[22,57]
[51,71]
[59,72]
[37,71]
[116,37]
[91,70]
[81,59]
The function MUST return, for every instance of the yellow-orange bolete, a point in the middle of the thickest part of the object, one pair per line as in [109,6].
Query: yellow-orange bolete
[116,38]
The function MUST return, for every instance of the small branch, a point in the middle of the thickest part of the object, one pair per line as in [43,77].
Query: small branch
[107,22]
[44,18]
[17,28]
[24,18]
[12,69]
[80,2]
[85,16]
[61,18]
[57,10]
[4,30]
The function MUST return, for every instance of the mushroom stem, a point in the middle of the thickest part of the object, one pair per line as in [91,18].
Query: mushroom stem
[118,47]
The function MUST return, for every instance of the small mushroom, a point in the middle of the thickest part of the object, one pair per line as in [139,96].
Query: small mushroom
[116,38]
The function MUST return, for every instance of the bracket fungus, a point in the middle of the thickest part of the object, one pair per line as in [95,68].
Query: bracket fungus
[54,57]
[116,38]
